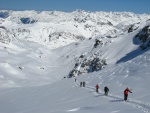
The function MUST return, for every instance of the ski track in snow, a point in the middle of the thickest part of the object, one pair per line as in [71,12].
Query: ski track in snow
[145,107]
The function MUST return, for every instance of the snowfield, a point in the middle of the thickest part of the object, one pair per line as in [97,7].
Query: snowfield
[42,53]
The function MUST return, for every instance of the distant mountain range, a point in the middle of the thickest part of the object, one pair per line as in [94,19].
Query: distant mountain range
[55,28]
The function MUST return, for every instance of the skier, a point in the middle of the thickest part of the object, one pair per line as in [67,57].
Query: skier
[97,87]
[75,79]
[106,90]
[64,77]
[126,91]
[80,84]
[83,84]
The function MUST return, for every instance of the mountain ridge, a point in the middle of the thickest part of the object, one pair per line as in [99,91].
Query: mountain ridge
[47,27]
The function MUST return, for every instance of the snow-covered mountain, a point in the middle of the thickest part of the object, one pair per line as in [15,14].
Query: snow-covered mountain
[56,29]
[42,52]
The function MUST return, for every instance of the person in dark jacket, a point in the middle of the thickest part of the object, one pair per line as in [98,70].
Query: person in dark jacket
[83,84]
[80,84]
[75,79]
[97,87]
[106,90]
[126,91]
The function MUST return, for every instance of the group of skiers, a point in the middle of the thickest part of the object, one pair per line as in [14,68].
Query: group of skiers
[106,90]
[82,84]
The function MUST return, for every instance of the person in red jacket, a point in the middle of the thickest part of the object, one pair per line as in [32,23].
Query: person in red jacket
[97,87]
[126,91]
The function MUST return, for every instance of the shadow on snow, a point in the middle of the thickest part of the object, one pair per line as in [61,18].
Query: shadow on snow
[134,53]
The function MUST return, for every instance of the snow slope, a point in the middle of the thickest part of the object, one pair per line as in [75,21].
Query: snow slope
[32,69]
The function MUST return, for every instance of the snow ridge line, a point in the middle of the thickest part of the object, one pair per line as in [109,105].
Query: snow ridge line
[145,107]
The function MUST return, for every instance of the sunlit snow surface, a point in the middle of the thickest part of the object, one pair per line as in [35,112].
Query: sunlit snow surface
[32,71]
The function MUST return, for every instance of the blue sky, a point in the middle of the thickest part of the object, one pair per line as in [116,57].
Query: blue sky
[136,6]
